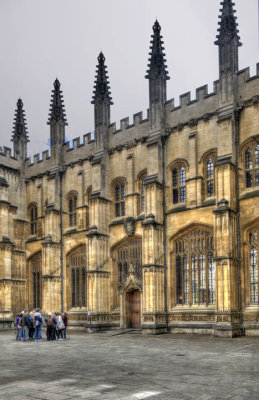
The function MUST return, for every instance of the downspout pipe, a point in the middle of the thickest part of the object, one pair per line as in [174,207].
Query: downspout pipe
[61,173]
[163,140]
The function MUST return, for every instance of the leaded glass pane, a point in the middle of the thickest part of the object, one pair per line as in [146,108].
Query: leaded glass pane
[202,279]
[249,179]
[182,176]
[175,179]
[182,195]
[257,177]
[210,188]
[175,196]
[178,280]
[123,192]
[257,156]
[117,193]
[185,280]
[253,276]
[209,169]
[248,159]
[194,280]
[123,208]
[211,274]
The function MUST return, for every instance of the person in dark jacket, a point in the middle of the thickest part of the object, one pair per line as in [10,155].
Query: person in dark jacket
[65,320]
[51,327]
[25,326]
[31,326]
[18,325]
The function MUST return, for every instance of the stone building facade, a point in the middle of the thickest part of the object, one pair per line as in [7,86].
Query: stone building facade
[154,225]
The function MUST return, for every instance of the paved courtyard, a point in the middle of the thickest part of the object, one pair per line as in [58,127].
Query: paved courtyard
[128,367]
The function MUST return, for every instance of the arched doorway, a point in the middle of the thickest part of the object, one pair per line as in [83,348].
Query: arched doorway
[133,309]
[127,281]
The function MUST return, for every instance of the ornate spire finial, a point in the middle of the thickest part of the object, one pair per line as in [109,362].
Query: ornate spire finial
[157,66]
[57,108]
[20,124]
[228,27]
[101,84]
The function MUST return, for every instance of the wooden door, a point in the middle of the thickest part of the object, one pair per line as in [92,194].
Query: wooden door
[135,309]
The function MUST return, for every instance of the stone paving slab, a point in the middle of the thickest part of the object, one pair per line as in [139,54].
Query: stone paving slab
[130,367]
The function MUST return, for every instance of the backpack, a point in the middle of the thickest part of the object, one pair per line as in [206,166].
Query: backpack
[50,322]
[37,321]
[20,321]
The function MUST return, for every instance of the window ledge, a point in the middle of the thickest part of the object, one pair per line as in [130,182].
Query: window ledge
[177,208]
[249,194]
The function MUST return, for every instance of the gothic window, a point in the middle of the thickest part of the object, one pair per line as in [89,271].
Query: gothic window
[251,161]
[76,263]
[33,215]
[178,180]
[119,199]
[35,264]
[253,265]
[72,205]
[194,267]
[142,180]
[128,257]
[210,190]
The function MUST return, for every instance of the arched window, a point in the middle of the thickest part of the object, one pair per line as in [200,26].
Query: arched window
[194,267]
[77,285]
[251,164]
[142,205]
[209,174]
[72,205]
[33,215]
[178,180]
[253,265]
[119,199]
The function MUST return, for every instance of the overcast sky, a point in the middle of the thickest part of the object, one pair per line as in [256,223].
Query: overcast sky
[44,39]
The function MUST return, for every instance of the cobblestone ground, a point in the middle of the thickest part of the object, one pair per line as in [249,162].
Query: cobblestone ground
[128,367]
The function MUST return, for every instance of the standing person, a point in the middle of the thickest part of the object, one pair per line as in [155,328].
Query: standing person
[25,326]
[18,324]
[31,327]
[50,327]
[65,320]
[54,332]
[38,325]
[60,326]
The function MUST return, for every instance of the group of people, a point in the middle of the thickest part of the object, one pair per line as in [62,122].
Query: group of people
[29,326]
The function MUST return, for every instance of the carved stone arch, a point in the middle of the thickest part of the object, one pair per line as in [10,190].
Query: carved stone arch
[212,151]
[76,282]
[252,140]
[178,161]
[126,267]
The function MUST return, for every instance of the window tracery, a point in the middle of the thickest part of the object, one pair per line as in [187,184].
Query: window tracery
[194,267]
[179,184]
[253,265]
[129,256]
[119,199]
[33,215]
[72,206]
[251,165]
[77,264]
